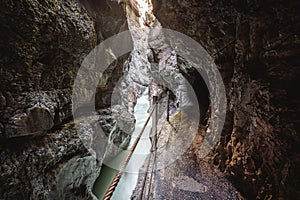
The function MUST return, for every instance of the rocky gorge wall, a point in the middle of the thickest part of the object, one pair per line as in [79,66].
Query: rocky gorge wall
[42,46]
[255,45]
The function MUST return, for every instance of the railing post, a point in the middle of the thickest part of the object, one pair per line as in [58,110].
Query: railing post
[154,142]
[168,103]
[154,118]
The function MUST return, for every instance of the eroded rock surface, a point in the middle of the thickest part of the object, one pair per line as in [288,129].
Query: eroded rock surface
[176,172]
[43,154]
[256,47]
[254,44]
[42,46]
[28,167]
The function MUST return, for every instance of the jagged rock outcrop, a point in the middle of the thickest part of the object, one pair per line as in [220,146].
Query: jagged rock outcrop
[58,165]
[108,15]
[43,44]
[254,44]
[29,166]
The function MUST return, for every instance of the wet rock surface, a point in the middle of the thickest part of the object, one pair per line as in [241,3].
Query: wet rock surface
[28,167]
[109,17]
[180,174]
[181,181]
[61,164]
[254,45]
[76,173]
[43,154]
[42,46]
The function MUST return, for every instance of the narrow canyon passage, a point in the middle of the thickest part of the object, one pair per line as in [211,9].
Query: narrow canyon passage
[78,78]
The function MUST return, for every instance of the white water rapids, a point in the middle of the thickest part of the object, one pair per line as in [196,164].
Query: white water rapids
[129,178]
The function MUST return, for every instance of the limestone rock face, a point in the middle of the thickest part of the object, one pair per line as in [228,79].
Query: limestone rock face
[43,154]
[28,167]
[42,46]
[254,45]
[108,15]
[34,120]
[76,173]
[57,165]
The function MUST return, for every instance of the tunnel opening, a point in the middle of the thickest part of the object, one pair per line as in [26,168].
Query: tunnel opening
[200,88]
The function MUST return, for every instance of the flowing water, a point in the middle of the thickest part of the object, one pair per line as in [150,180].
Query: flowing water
[129,177]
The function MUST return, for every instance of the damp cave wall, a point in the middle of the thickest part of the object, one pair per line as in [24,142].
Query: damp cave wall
[255,45]
[43,43]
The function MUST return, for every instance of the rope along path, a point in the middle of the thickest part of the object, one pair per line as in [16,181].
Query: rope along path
[117,177]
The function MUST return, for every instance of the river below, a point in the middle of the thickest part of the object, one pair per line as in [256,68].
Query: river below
[129,178]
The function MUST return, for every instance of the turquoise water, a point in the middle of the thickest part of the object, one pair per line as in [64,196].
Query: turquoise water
[129,178]
[103,181]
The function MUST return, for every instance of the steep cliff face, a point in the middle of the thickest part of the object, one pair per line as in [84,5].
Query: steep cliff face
[255,46]
[42,46]
[43,42]
[108,15]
